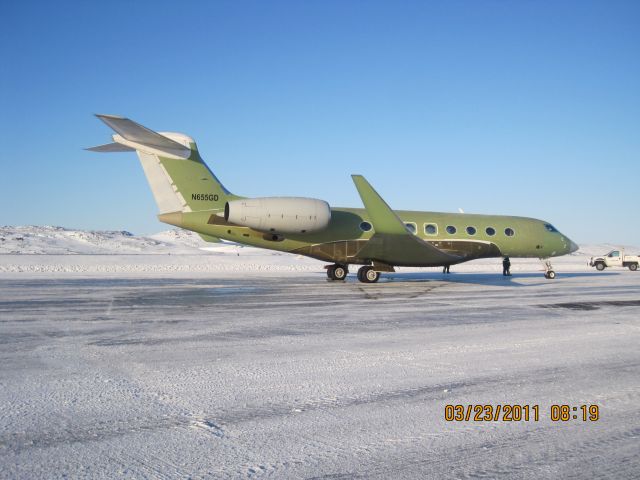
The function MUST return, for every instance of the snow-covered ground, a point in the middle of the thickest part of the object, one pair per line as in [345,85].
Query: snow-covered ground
[157,360]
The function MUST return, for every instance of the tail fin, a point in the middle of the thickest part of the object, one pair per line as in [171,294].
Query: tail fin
[179,179]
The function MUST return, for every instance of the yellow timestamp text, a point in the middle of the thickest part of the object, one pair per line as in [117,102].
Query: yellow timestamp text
[519,413]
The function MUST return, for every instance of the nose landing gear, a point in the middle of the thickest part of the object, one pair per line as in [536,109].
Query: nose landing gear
[548,269]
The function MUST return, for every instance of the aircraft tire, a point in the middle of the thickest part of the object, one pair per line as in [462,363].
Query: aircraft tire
[339,272]
[367,274]
[372,276]
[550,275]
[330,272]
[360,277]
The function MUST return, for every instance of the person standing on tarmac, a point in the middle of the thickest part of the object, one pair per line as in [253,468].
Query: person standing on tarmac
[445,269]
[506,267]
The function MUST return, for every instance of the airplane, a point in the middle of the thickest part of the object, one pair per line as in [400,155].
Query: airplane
[189,196]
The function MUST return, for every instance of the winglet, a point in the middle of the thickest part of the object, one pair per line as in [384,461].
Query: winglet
[384,219]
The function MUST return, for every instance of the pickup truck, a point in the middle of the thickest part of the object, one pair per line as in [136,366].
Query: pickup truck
[615,258]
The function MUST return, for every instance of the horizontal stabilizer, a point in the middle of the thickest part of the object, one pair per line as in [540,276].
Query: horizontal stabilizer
[111,147]
[136,133]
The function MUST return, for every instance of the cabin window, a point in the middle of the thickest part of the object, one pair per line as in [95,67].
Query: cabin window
[509,232]
[490,231]
[430,229]
[451,230]
[615,254]
[471,230]
[365,226]
[411,227]
[550,228]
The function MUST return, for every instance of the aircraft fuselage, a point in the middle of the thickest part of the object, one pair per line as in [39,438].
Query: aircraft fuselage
[475,236]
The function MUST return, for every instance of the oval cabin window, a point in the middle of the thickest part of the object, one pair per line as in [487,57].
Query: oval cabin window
[365,226]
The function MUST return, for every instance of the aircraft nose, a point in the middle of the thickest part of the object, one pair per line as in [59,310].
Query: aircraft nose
[573,247]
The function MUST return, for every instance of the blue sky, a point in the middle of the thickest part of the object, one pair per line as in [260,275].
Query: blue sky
[518,108]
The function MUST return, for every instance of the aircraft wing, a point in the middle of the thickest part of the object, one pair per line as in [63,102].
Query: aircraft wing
[392,243]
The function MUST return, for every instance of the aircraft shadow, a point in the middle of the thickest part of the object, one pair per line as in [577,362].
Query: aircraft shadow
[495,279]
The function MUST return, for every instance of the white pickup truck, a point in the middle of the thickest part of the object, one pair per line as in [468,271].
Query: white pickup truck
[615,258]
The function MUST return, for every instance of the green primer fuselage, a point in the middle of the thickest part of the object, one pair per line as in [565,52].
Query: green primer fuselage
[343,237]
[340,241]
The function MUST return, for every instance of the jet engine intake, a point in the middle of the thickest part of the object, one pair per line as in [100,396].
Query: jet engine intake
[279,214]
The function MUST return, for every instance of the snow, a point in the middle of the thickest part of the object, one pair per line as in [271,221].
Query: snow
[49,240]
[121,357]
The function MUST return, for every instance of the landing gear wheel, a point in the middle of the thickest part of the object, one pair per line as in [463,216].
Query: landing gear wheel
[337,272]
[330,272]
[340,272]
[600,266]
[548,269]
[367,274]
[633,267]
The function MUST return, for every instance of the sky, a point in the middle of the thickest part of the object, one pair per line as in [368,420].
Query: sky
[527,108]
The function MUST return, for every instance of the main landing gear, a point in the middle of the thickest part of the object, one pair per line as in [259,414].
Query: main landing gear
[366,274]
[337,272]
[548,269]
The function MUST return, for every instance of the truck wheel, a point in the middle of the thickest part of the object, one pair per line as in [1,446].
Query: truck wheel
[599,266]
[633,267]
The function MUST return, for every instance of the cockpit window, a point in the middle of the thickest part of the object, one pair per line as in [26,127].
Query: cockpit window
[550,228]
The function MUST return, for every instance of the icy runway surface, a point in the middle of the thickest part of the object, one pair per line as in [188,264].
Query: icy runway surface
[287,375]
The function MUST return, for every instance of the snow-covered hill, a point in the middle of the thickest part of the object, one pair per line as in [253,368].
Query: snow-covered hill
[48,240]
[33,249]
[599,249]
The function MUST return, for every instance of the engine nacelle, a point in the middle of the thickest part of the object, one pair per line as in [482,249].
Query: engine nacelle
[279,214]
